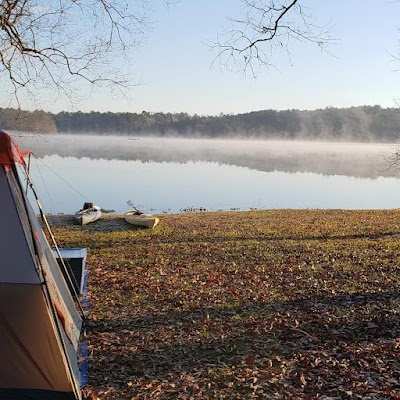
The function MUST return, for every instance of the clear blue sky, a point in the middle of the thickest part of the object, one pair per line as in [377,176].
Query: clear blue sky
[174,68]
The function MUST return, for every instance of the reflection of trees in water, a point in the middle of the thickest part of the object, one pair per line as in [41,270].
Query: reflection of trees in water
[350,160]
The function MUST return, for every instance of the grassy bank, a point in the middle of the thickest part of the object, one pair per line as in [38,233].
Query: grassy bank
[241,305]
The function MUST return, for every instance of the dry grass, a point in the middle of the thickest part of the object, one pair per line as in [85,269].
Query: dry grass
[243,305]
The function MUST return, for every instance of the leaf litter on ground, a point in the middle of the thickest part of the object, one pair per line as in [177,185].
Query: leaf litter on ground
[277,304]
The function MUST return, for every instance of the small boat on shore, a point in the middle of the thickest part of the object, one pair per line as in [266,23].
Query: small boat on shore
[138,218]
[88,214]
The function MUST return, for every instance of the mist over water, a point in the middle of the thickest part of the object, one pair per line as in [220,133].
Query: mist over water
[171,175]
[351,159]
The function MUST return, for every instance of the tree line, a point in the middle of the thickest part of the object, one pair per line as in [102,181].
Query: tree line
[361,124]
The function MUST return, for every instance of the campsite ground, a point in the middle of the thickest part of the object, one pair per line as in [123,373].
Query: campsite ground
[280,304]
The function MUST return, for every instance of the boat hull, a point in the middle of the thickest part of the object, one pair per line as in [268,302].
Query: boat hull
[85,217]
[145,220]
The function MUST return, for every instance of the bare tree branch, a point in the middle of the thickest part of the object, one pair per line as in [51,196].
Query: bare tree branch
[267,25]
[50,42]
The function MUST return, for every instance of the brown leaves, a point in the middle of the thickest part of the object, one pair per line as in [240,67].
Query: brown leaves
[266,304]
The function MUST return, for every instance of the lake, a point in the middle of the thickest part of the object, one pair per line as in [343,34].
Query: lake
[169,175]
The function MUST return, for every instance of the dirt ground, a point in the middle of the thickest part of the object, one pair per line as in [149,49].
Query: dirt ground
[107,223]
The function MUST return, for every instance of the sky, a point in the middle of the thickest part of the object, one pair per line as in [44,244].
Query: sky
[175,70]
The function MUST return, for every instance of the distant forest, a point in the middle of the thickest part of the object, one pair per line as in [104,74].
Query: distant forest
[359,124]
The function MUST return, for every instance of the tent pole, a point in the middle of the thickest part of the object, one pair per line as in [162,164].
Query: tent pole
[27,171]
[53,239]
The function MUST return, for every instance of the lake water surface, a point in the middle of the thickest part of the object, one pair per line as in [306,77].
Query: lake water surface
[173,175]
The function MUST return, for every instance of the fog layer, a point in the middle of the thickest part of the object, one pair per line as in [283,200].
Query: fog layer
[367,160]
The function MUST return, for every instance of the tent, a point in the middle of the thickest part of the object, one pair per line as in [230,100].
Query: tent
[40,321]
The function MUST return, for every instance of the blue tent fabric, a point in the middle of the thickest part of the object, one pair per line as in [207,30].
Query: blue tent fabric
[84,354]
